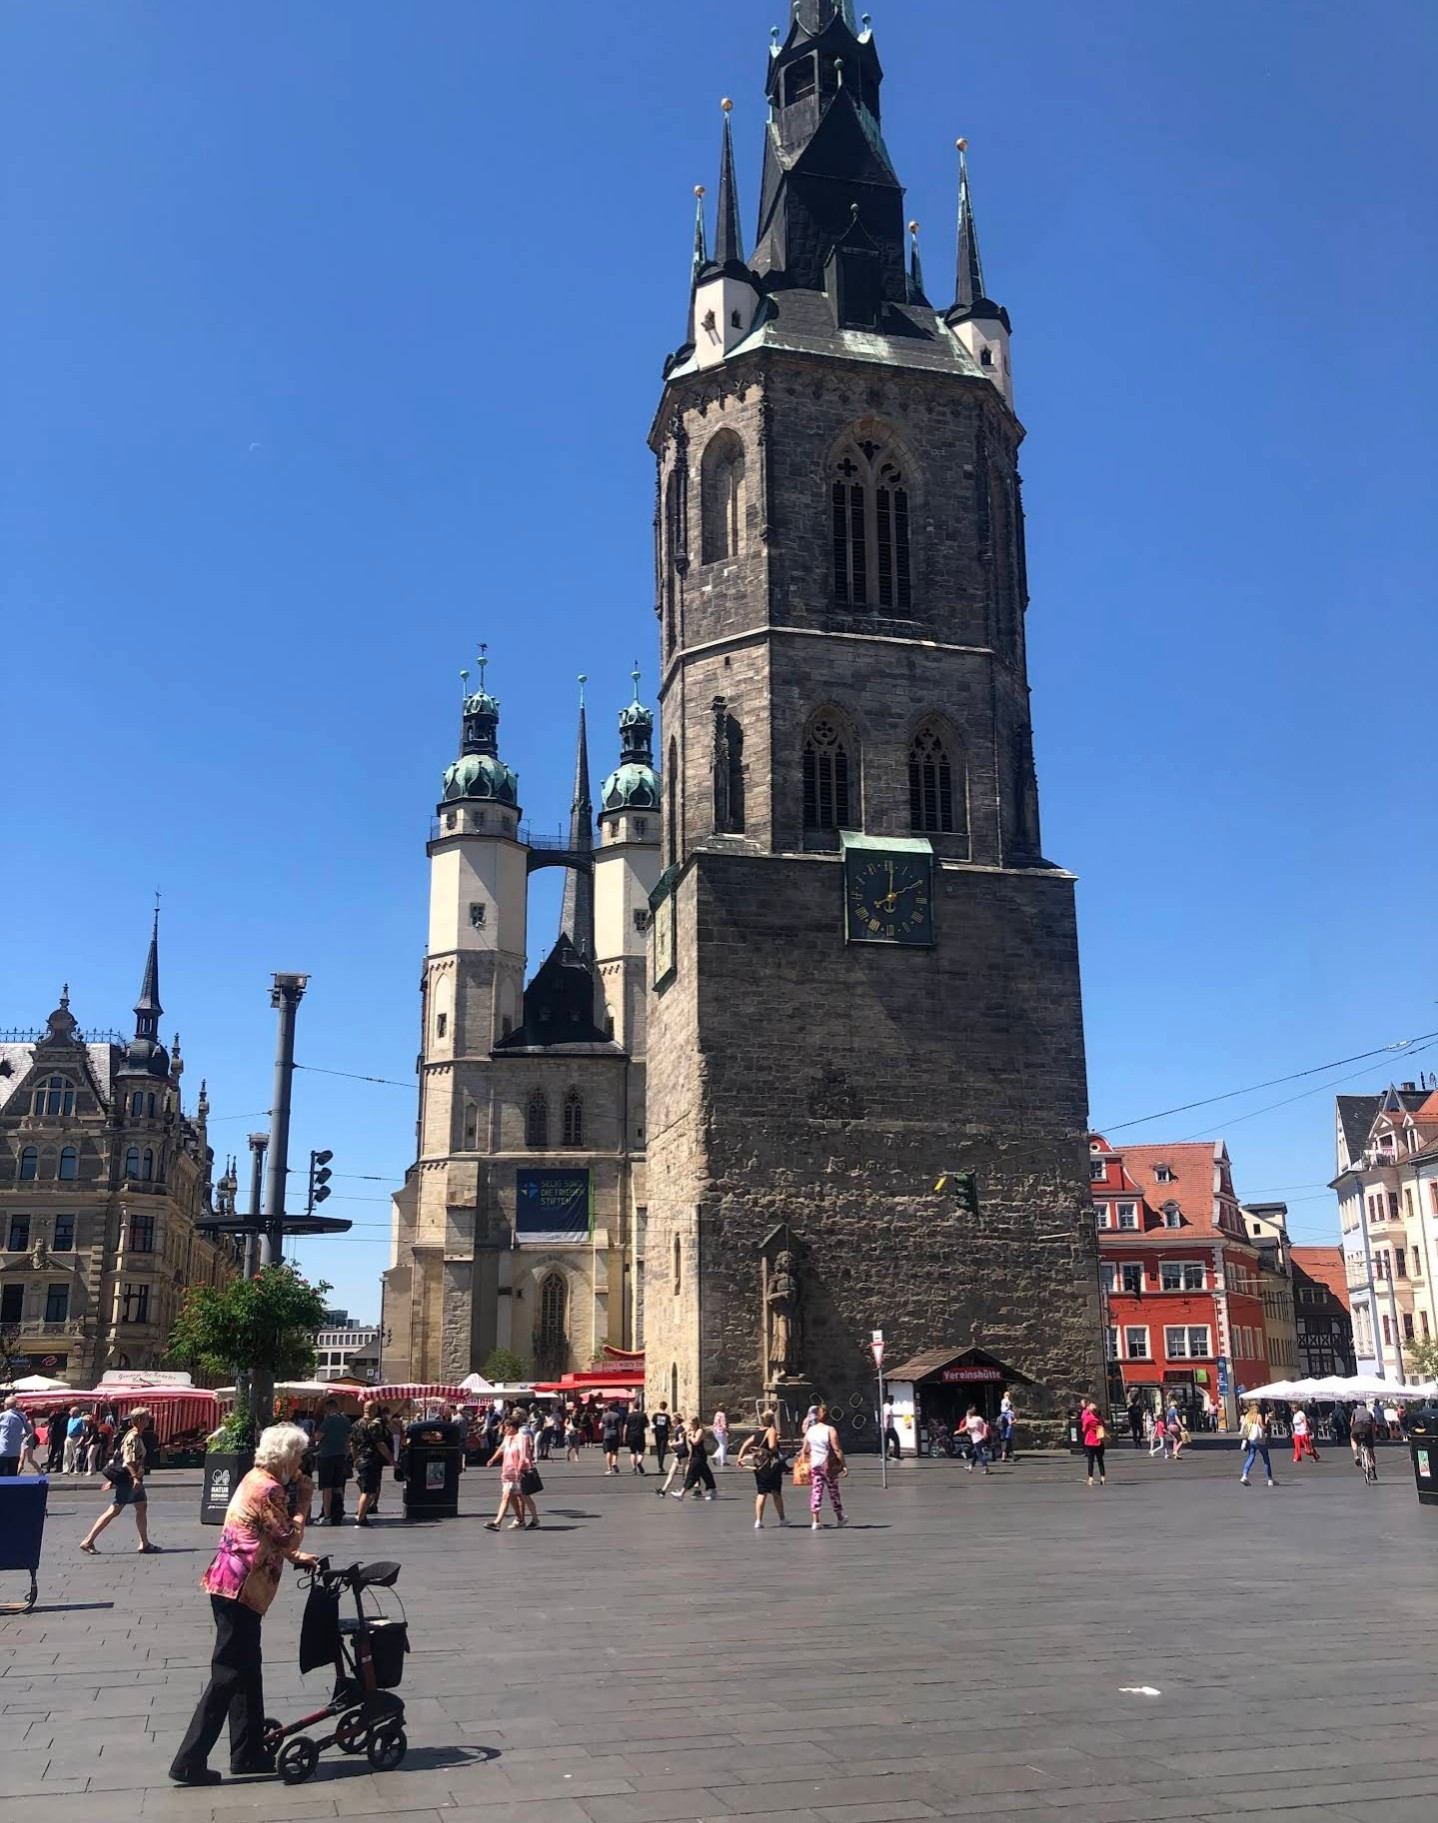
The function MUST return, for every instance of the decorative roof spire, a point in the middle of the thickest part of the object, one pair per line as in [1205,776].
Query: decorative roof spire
[916,267]
[701,239]
[479,772]
[970,281]
[634,784]
[576,918]
[728,234]
[147,1007]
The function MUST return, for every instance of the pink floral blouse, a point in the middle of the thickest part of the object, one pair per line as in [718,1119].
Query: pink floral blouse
[259,1536]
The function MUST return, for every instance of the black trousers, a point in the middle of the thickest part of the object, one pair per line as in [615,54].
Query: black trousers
[235,1690]
[699,1470]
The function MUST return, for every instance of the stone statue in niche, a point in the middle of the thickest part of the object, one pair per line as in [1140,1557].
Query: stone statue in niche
[783,1303]
[39,1257]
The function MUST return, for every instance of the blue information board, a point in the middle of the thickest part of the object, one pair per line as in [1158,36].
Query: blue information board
[552,1207]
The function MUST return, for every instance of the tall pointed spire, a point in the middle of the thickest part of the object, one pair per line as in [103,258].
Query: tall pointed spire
[701,243]
[916,267]
[969,288]
[147,1007]
[576,918]
[728,234]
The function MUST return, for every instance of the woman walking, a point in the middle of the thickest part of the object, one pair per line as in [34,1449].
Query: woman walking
[259,1536]
[515,1454]
[698,1469]
[720,1428]
[763,1453]
[1095,1436]
[1253,1435]
[1302,1436]
[681,1456]
[127,1487]
[826,1465]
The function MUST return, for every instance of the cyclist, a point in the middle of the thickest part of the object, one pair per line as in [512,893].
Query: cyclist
[1360,1436]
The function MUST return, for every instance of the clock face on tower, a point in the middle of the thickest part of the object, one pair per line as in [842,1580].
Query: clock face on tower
[888,897]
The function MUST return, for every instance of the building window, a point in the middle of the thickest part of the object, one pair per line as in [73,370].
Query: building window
[1163,1174]
[132,1164]
[827,772]
[1400,1263]
[1423,1323]
[869,503]
[641,918]
[1097,1170]
[12,1304]
[1407,1327]
[671,782]
[1128,1215]
[1131,1278]
[147,1165]
[57,1303]
[536,1121]
[441,1024]
[678,1266]
[64,1241]
[573,1119]
[19,1241]
[1181,1275]
[1100,1215]
[937,795]
[135,1304]
[29,1164]
[478,911]
[54,1097]
[142,1234]
[1136,1344]
[551,1339]
[1172,1216]
[69,1164]
[137,1104]
[721,494]
[1111,1343]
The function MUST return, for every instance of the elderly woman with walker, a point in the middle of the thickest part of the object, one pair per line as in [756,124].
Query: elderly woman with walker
[264,1528]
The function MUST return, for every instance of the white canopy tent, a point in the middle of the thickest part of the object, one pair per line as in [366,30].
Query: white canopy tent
[1338,1390]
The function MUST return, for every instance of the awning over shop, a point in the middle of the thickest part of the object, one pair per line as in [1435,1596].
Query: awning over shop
[958,1367]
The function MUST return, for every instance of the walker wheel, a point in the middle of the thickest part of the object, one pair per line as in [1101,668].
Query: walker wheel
[352,1731]
[273,1734]
[387,1747]
[298,1759]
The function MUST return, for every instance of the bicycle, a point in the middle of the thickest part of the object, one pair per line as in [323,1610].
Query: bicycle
[1364,1459]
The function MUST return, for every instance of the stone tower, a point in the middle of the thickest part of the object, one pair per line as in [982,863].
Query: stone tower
[520,1222]
[865,973]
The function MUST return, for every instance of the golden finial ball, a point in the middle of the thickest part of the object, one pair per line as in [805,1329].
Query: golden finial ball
[913,227]
[699,190]
[962,144]
[727,105]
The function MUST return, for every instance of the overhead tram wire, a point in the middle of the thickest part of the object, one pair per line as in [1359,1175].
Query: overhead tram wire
[1402,1044]
[1336,1082]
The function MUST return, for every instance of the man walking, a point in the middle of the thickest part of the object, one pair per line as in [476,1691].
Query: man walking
[636,1425]
[332,1449]
[14,1433]
[891,1435]
[661,1426]
[1135,1421]
[611,1432]
[370,1444]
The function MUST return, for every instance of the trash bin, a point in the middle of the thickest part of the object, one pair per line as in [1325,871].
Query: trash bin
[22,1528]
[1423,1447]
[434,1456]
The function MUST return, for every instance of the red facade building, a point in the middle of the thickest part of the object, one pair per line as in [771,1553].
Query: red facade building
[1184,1307]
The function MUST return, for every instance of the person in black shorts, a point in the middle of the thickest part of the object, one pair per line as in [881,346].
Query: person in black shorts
[636,1429]
[332,1454]
[611,1431]
[369,1441]
[661,1425]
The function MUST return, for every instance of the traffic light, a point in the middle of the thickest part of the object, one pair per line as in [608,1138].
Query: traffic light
[320,1175]
[963,1186]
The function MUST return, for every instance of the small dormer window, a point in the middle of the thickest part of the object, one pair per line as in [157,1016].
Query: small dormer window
[1172,1216]
[986,356]
[800,79]
[1097,1170]
[1163,1174]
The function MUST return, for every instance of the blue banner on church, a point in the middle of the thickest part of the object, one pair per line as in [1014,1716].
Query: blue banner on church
[552,1206]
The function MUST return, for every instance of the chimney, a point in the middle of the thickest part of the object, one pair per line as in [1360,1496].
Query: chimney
[1408,1088]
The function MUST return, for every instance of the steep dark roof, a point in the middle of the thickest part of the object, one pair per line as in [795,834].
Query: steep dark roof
[559,1007]
[1355,1116]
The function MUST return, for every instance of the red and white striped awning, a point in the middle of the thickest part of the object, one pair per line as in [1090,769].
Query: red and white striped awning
[176,1409]
[457,1395]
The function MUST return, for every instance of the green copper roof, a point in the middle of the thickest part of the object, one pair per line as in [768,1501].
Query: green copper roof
[483,776]
[631,787]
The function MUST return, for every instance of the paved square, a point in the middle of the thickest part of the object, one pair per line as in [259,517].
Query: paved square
[962,1650]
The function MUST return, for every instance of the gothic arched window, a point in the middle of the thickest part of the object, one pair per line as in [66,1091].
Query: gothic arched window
[678,1265]
[132,1164]
[828,770]
[137,1104]
[147,1166]
[536,1121]
[936,785]
[671,779]
[574,1118]
[551,1336]
[721,496]
[29,1164]
[869,499]
[69,1163]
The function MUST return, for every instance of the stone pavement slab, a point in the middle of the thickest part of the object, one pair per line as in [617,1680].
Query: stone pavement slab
[968,1648]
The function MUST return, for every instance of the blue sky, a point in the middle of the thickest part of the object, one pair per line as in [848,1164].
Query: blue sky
[329,339]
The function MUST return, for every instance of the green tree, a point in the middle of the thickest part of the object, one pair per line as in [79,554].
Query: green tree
[266,1324]
[1420,1360]
[503,1367]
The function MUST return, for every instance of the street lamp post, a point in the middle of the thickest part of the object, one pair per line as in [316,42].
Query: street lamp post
[285,997]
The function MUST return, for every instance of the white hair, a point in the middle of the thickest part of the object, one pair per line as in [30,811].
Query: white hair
[280,1447]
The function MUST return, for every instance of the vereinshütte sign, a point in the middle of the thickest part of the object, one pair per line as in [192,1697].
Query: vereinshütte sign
[956,1375]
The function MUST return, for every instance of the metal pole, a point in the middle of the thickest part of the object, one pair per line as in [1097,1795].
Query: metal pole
[285,997]
[883,1437]
[259,1142]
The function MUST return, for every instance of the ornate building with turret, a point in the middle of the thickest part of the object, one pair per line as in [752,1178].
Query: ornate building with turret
[103,1175]
[520,1224]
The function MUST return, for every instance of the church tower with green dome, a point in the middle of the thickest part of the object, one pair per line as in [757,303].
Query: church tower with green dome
[519,1225]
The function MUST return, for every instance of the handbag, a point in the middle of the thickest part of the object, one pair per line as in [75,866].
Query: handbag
[116,1473]
[529,1480]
